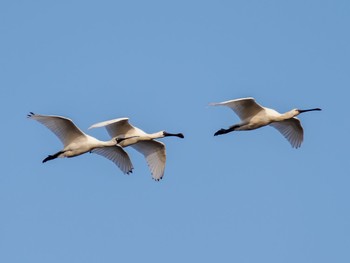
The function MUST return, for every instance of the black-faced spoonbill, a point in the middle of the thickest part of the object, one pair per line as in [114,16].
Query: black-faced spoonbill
[127,135]
[76,142]
[254,116]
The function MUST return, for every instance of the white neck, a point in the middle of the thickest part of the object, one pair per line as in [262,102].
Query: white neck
[287,115]
[99,143]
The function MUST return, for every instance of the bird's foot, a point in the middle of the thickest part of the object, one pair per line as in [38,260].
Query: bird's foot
[220,132]
[48,158]
[51,157]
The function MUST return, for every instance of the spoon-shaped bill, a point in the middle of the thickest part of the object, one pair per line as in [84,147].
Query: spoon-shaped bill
[315,109]
[180,135]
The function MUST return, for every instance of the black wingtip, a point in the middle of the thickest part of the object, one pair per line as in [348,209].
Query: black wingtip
[158,179]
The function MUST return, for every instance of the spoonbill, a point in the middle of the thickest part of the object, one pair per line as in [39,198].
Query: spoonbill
[77,142]
[127,135]
[254,116]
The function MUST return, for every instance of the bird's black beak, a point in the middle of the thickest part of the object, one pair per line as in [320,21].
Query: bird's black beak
[315,109]
[180,135]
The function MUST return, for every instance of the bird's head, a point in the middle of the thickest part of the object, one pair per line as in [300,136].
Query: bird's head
[295,112]
[298,111]
[119,140]
[122,140]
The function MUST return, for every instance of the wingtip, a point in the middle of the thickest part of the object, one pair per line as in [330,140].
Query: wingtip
[92,127]
[106,123]
[129,172]
[296,146]
[30,114]
[157,179]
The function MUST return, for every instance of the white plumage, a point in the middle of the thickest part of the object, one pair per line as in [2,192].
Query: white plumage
[76,142]
[254,116]
[128,135]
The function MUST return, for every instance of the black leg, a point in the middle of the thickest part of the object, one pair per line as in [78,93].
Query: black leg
[220,132]
[224,131]
[51,157]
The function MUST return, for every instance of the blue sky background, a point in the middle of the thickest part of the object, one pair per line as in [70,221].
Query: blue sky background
[243,197]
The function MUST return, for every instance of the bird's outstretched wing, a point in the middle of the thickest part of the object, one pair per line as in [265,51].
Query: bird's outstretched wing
[64,128]
[154,152]
[117,155]
[119,128]
[245,108]
[292,130]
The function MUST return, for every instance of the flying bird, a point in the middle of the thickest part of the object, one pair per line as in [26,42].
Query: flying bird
[75,142]
[127,135]
[254,116]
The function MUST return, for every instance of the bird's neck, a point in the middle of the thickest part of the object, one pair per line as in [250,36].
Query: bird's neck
[96,143]
[155,135]
[107,143]
[287,115]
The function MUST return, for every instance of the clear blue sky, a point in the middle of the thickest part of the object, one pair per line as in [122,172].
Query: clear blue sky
[243,197]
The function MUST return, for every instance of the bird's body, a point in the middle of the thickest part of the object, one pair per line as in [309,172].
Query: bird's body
[127,135]
[75,142]
[254,116]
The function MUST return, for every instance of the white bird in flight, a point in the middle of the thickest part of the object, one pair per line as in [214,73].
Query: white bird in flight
[254,116]
[127,135]
[77,142]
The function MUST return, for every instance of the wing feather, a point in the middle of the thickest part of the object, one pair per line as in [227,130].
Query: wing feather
[154,152]
[117,155]
[119,128]
[62,127]
[292,130]
[245,108]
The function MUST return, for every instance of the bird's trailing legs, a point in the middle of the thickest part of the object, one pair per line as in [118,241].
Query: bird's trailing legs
[51,157]
[224,131]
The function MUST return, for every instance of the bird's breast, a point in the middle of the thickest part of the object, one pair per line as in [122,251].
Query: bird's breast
[256,122]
